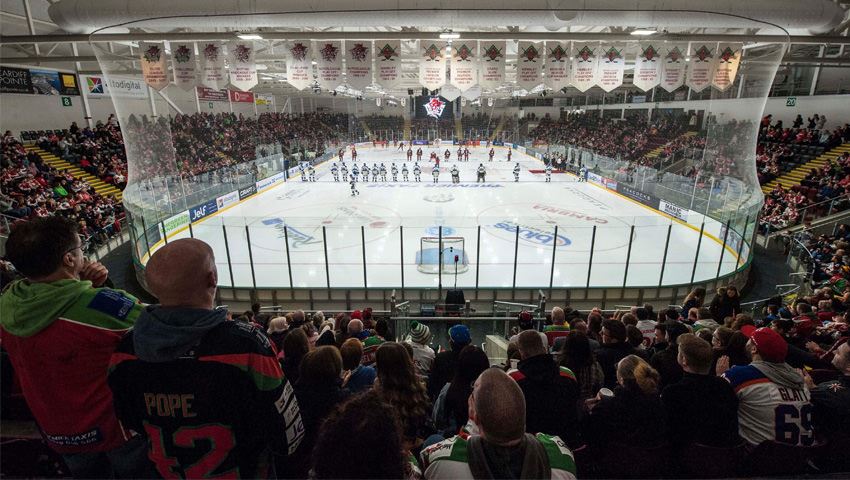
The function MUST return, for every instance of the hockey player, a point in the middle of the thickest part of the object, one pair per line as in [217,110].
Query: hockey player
[548,171]
[435,172]
[447,154]
[419,154]
[353,153]
[302,172]
[335,172]
[404,171]
[459,153]
[312,171]
[435,158]
[509,154]
[466,154]
[401,146]
[383,171]
[364,172]
[353,182]
[343,170]
[516,172]
[394,171]
[341,153]
[582,174]
[375,172]
[482,172]
[492,151]
[409,154]
[488,143]
[416,171]
[355,172]
[455,174]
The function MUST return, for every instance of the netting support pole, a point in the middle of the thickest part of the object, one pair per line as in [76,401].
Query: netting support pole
[590,260]
[552,270]
[696,257]
[477,256]
[401,247]
[723,247]
[250,257]
[227,251]
[664,259]
[327,268]
[363,251]
[288,259]
[629,255]
[439,262]
[516,256]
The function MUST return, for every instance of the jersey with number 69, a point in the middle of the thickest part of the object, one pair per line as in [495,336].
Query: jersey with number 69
[217,411]
[772,405]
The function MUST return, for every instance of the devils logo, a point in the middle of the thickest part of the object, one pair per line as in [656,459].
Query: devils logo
[674,56]
[329,52]
[359,52]
[703,54]
[727,55]
[298,51]
[388,53]
[242,53]
[492,53]
[649,53]
[557,54]
[585,54]
[463,53]
[153,53]
[182,54]
[530,54]
[432,53]
[612,55]
[211,52]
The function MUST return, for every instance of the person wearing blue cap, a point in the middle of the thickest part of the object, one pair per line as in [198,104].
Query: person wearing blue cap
[446,362]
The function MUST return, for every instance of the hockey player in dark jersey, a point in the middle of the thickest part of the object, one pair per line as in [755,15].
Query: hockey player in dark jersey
[418,154]
[209,393]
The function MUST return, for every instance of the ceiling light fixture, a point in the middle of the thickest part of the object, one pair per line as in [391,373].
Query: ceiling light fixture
[643,32]
[449,35]
[249,36]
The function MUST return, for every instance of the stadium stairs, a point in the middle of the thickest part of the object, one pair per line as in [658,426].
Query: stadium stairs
[99,185]
[795,176]
[458,128]
[655,152]
[407,127]
[499,127]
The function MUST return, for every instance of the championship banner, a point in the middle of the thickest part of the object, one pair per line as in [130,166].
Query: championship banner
[329,64]
[183,64]
[701,66]
[154,69]
[612,62]
[464,74]
[243,68]
[557,65]
[647,67]
[583,71]
[492,64]
[212,65]
[529,65]
[673,66]
[432,64]
[299,67]
[388,63]
[728,60]
[358,64]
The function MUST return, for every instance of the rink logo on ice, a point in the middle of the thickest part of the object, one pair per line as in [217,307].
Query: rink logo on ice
[435,231]
[296,237]
[530,234]
[201,211]
[569,213]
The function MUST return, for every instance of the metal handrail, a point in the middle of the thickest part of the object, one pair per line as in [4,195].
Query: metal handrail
[801,218]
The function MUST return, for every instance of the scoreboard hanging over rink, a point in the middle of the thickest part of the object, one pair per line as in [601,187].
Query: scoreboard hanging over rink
[434,107]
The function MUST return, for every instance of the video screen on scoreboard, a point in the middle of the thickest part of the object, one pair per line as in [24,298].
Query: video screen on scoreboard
[422,103]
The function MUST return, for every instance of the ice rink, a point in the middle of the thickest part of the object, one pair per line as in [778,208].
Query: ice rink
[383,227]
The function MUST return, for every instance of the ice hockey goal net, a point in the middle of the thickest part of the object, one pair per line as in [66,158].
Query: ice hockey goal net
[452,248]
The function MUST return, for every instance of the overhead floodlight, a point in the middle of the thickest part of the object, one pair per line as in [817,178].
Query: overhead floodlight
[643,32]
[249,36]
[449,35]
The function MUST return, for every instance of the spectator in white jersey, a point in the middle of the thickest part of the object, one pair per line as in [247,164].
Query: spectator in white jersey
[773,400]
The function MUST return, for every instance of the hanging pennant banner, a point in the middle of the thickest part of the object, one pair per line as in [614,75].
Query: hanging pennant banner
[299,67]
[529,65]
[358,64]
[492,64]
[388,63]
[329,64]
[728,59]
[183,63]
[557,65]
[472,93]
[212,65]
[432,64]
[450,92]
[585,61]
[673,66]
[464,72]
[612,62]
[154,69]
[701,66]
[647,67]
[243,68]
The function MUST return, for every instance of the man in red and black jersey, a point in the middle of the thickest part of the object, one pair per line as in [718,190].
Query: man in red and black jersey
[209,393]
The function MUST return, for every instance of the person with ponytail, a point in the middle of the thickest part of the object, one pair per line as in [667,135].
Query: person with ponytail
[632,414]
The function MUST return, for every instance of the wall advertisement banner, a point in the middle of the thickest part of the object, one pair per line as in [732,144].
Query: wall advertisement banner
[227,200]
[15,80]
[634,194]
[247,192]
[203,210]
[241,97]
[209,95]
[174,223]
[673,210]
[270,180]
[98,86]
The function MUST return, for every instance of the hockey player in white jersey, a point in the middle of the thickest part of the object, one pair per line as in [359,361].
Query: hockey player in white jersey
[343,170]
[353,182]
[335,172]
[394,171]
[417,171]
[548,172]
[455,174]
[375,172]
[383,171]
[355,171]
[364,172]
[516,172]
[435,172]
[312,171]
[404,171]
[302,172]
[582,174]
[482,173]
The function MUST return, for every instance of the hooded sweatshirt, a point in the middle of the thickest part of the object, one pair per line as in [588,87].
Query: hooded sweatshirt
[773,403]
[60,337]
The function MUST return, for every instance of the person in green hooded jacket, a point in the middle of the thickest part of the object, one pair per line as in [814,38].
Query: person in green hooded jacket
[60,327]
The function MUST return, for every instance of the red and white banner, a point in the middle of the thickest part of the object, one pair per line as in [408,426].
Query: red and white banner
[585,61]
[529,65]
[612,63]
[183,63]
[388,63]
[212,64]
[557,65]
[673,66]
[154,69]
[432,63]
[701,66]
[243,68]
[728,60]
[299,66]
[358,64]
[329,64]
[492,59]
[241,97]
[211,95]
[647,67]
[464,74]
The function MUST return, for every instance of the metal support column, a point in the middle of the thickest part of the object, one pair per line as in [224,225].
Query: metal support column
[401,246]
[363,250]
[723,248]
[629,255]
[227,251]
[477,255]
[590,260]
[552,270]
[250,256]
[696,257]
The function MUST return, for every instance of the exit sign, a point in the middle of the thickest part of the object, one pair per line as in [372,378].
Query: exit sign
[66,101]
[791,102]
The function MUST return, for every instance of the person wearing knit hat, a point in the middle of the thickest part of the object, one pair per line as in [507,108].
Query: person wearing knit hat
[423,355]
[446,361]
[526,322]
[773,399]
